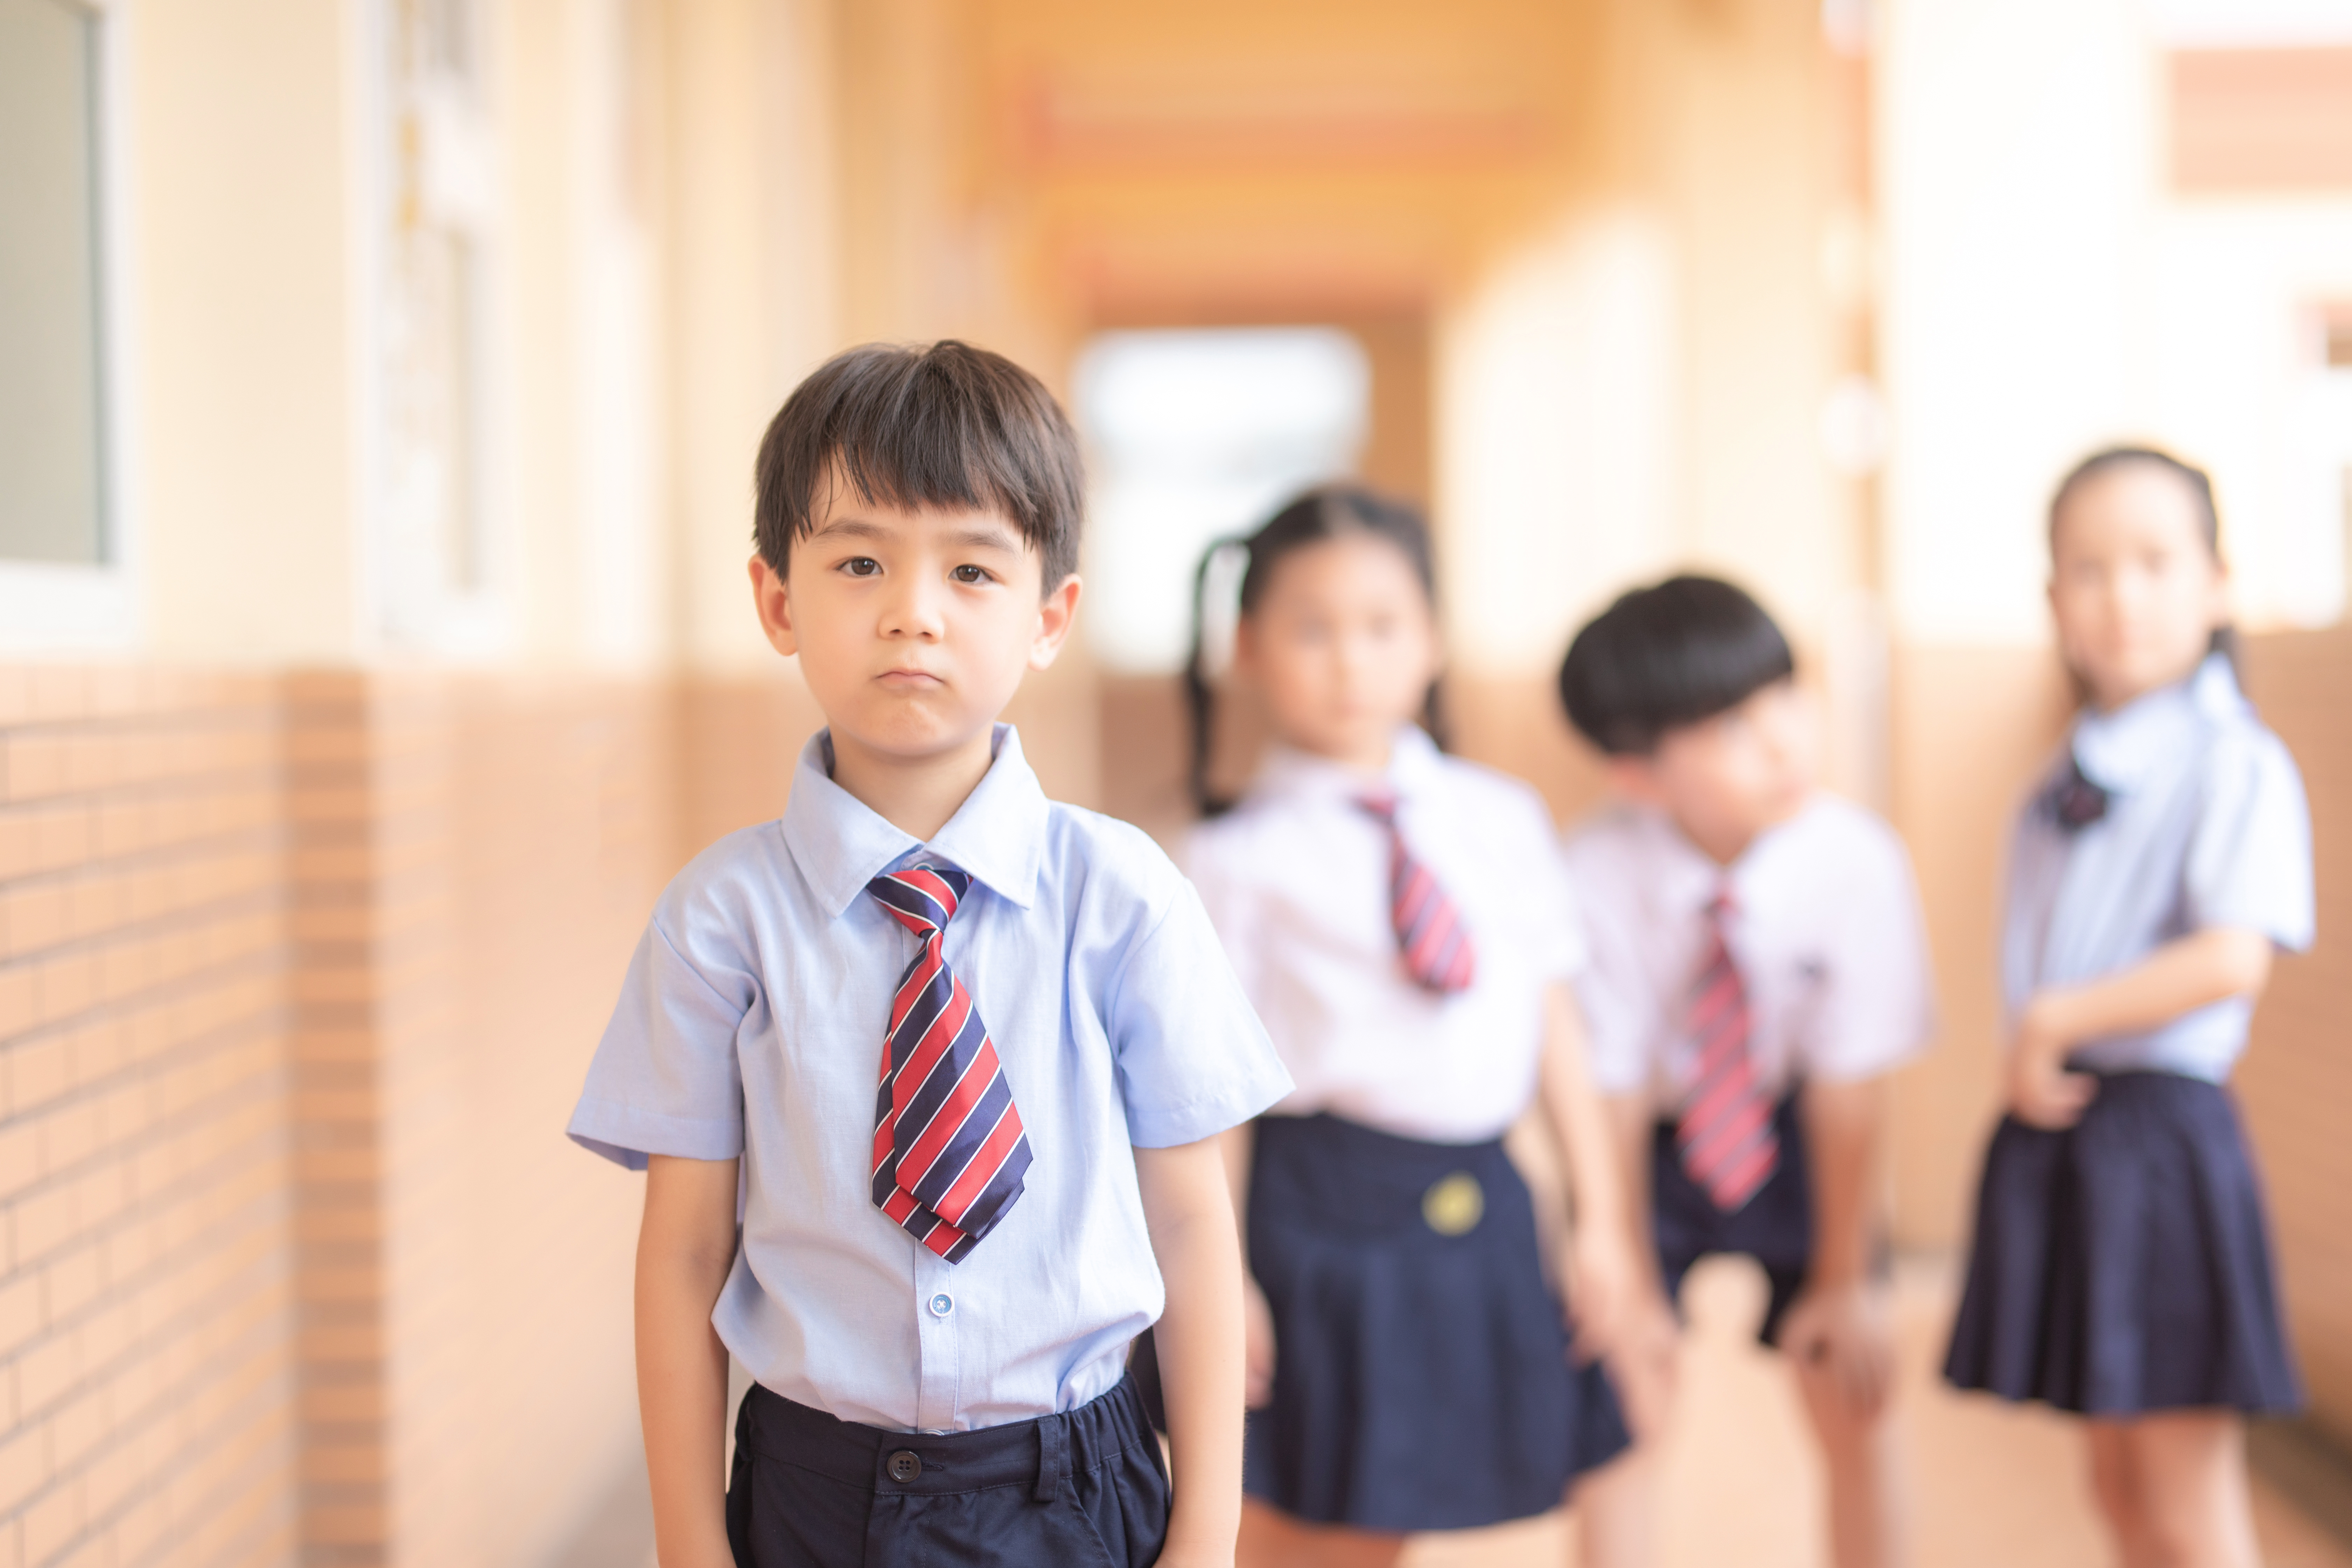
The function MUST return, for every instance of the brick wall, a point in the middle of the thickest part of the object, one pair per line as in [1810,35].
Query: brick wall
[145,1372]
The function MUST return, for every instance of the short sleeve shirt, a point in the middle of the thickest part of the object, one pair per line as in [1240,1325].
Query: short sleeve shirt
[1825,929]
[1297,878]
[751,1024]
[2206,827]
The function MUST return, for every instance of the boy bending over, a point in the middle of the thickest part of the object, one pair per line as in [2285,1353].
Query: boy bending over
[1758,966]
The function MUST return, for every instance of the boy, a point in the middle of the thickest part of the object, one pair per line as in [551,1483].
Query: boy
[934,1281]
[1759,965]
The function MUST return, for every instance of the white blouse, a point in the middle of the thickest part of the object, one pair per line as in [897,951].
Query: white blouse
[1295,881]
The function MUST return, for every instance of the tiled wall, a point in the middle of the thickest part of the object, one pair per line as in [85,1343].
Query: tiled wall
[146,1376]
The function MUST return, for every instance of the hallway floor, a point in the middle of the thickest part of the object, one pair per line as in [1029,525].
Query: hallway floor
[1996,1484]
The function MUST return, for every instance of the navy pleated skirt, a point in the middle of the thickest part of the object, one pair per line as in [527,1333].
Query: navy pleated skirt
[1422,1378]
[2123,1266]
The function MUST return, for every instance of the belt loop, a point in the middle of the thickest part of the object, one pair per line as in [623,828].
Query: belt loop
[1052,1456]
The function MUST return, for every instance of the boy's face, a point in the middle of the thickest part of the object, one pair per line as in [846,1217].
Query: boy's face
[913,628]
[1727,778]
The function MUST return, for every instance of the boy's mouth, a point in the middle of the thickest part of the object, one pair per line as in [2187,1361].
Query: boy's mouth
[910,679]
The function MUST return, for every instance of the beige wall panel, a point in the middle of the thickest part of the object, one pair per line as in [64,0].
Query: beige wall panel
[241,176]
[2297,1081]
[1971,727]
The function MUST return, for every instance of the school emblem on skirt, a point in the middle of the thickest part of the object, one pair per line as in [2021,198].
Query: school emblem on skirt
[1454,1204]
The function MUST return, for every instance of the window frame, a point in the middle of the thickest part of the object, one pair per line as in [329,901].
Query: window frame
[50,606]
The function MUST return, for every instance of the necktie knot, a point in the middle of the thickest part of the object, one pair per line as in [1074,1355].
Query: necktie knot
[923,899]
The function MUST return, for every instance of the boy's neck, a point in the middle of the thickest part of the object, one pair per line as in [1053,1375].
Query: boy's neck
[917,796]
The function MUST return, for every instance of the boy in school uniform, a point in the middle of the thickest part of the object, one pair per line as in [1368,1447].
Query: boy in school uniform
[926,1076]
[1759,965]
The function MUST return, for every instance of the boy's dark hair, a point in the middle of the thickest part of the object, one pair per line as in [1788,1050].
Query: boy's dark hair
[945,425]
[1327,511]
[2195,481]
[1667,656]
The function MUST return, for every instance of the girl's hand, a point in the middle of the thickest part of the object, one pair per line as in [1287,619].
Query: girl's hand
[2042,1092]
[1603,1286]
[1257,1346]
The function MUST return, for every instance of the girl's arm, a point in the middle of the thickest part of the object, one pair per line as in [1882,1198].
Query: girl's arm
[686,1247]
[2184,974]
[1188,1205]
[1603,1273]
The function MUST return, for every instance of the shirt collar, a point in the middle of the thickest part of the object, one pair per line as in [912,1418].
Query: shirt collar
[841,844]
[1414,761]
[1688,879]
[2122,750]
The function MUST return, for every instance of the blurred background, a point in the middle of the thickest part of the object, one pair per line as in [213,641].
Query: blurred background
[379,381]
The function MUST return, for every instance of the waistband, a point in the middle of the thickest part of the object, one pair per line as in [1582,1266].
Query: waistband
[1357,1176]
[1038,1455]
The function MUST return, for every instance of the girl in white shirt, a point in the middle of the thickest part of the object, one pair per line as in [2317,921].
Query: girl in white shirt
[2121,1267]
[1402,923]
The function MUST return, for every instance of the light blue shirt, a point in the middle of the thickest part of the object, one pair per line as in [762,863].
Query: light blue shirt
[751,1024]
[2206,828]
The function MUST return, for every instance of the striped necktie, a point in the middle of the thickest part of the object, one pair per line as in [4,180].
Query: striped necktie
[1434,948]
[949,1148]
[1726,1133]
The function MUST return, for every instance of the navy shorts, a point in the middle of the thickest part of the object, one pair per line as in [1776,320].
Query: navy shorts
[812,1491]
[1775,1228]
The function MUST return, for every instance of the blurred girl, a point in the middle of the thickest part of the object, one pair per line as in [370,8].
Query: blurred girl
[2121,1267]
[1400,920]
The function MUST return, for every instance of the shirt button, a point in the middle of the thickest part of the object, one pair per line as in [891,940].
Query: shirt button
[942,1304]
[905,1466]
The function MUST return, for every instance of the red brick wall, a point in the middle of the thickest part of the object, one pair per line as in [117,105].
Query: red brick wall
[145,1272]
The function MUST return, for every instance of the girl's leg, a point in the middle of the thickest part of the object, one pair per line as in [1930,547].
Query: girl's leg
[1868,1516]
[1272,1539]
[2190,1494]
[2116,1488]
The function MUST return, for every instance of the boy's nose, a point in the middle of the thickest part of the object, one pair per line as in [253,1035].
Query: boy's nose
[913,612]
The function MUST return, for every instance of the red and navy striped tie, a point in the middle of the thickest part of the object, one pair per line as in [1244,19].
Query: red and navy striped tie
[1726,1134]
[1431,942]
[949,1148]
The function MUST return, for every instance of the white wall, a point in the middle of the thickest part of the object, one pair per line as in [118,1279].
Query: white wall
[2046,294]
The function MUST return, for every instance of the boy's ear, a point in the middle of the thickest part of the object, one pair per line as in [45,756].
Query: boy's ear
[1635,778]
[1054,618]
[772,595]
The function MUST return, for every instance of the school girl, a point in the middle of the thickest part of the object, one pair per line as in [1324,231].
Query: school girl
[1400,920]
[2121,1267]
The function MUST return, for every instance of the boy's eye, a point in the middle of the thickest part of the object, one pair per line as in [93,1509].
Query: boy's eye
[970,575]
[861,566]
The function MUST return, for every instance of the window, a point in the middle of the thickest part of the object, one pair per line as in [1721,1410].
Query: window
[60,529]
[1193,436]
[442,511]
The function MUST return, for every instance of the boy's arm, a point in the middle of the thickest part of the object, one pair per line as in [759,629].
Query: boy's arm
[2184,974]
[686,1247]
[1837,1326]
[1188,1205]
